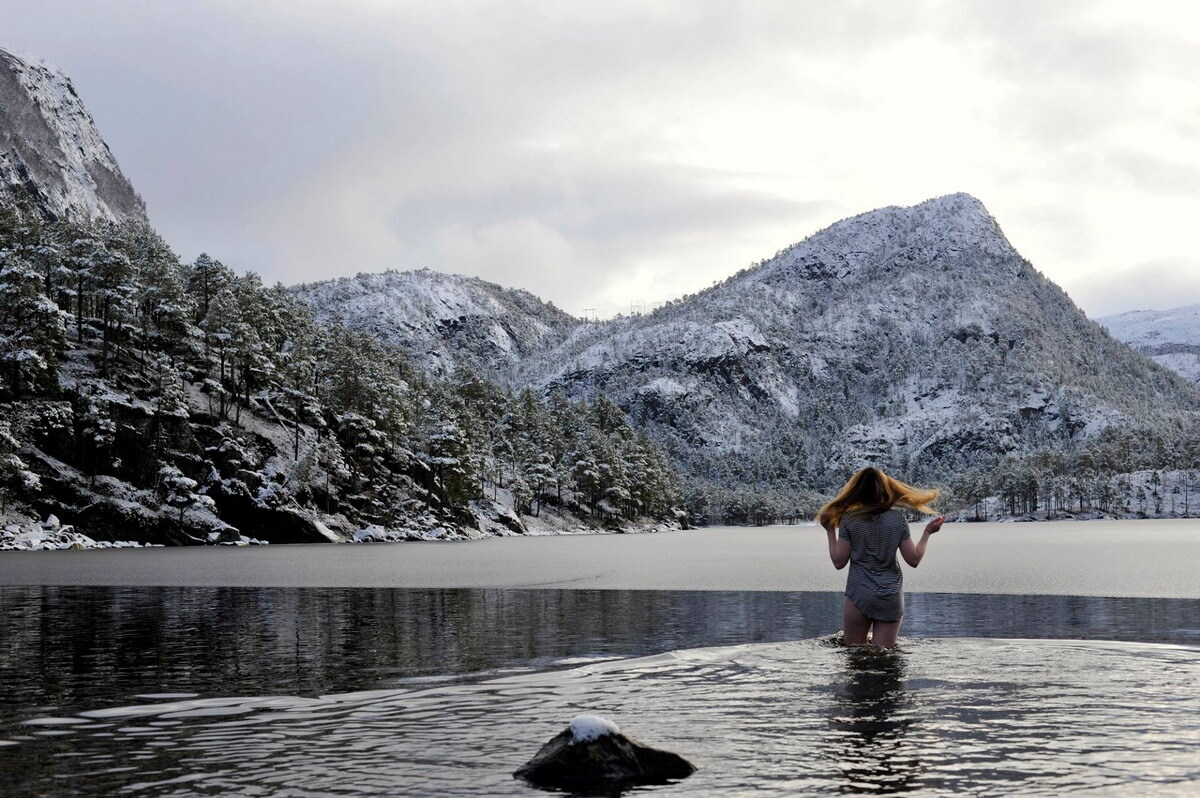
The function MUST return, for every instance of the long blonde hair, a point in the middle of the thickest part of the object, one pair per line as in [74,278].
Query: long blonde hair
[870,492]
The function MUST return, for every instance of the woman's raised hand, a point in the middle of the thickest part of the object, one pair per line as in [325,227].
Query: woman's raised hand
[825,520]
[935,525]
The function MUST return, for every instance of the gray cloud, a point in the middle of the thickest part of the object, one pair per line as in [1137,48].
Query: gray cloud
[591,151]
[1156,175]
[1154,285]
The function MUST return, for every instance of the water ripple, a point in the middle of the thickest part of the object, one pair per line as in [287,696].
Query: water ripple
[995,717]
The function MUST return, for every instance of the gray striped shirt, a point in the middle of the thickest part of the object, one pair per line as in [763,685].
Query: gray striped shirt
[875,582]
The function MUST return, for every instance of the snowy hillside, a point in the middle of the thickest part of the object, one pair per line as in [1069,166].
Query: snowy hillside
[915,338]
[444,321]
[1169,337]
[50,150]
[198,406]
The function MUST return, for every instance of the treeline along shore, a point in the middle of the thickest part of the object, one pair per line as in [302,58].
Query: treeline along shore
[165,402]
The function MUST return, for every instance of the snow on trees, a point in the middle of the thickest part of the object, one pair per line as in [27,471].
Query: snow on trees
[180,492]
[17,481]
[174,369]
[32,335]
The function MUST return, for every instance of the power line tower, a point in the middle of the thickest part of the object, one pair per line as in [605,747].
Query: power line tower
[589,314]
[637,308]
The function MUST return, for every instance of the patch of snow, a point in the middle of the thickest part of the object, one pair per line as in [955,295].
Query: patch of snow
[50,535]
[585,728]
[665,386]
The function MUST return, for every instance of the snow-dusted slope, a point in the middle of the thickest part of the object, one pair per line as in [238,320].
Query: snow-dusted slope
[445,321]
[1169,337]
[916,338]
[50,150]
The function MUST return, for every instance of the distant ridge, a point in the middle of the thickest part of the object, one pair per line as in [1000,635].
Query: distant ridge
[1169,337]
[445,322]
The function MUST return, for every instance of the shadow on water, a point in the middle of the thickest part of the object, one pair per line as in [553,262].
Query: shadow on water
[871,718]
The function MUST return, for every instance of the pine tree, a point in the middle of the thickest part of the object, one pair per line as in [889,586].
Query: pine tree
[95,430]
[164,309]
[32,335]
[180,492]
[17,481]
[111,277]
[205,280]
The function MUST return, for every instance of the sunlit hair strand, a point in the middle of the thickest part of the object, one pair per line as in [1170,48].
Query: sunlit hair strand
[870,492]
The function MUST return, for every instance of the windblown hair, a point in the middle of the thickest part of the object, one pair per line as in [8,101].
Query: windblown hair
[870,492]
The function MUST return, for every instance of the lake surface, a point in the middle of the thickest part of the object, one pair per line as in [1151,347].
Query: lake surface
[315,691]
[1085,558]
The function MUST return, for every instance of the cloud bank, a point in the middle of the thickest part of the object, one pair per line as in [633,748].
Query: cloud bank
[603,154]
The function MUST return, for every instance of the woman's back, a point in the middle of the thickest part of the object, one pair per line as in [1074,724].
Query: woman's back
[867,537]
[874,541]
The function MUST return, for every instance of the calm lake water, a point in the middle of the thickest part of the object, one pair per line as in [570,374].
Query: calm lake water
[150,690]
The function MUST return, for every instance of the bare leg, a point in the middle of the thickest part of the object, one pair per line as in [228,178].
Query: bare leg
[855,625]
[886,633]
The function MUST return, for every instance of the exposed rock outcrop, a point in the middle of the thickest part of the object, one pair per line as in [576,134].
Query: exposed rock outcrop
[592,753]
[51,154]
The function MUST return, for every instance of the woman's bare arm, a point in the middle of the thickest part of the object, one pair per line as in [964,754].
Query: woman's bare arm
[913,553]
[839,550]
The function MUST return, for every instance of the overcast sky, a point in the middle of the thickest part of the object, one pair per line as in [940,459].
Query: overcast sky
[600,153]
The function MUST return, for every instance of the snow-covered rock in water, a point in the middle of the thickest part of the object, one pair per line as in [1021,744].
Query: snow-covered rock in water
[1170,338]
[592,753]
[50,150]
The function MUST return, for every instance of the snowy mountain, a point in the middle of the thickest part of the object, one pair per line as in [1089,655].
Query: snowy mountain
[445,322]
[50,150]
[1168,337]
[915,338]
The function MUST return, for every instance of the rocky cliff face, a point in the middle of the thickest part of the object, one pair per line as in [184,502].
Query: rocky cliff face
[1170,338]
[50,151]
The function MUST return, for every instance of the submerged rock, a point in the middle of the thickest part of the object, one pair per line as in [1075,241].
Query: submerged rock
[593,753]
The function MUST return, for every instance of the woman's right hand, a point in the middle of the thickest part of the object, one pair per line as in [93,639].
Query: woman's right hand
[824,520]
[934,525]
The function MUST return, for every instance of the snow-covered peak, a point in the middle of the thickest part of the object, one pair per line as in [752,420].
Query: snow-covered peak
[422,293]
[50,149]
[954,231]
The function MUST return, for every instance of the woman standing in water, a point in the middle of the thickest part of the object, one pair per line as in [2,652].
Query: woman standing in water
[869,531]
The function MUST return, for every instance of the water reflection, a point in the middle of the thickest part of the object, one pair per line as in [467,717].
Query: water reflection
[871,715]
[68,647]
